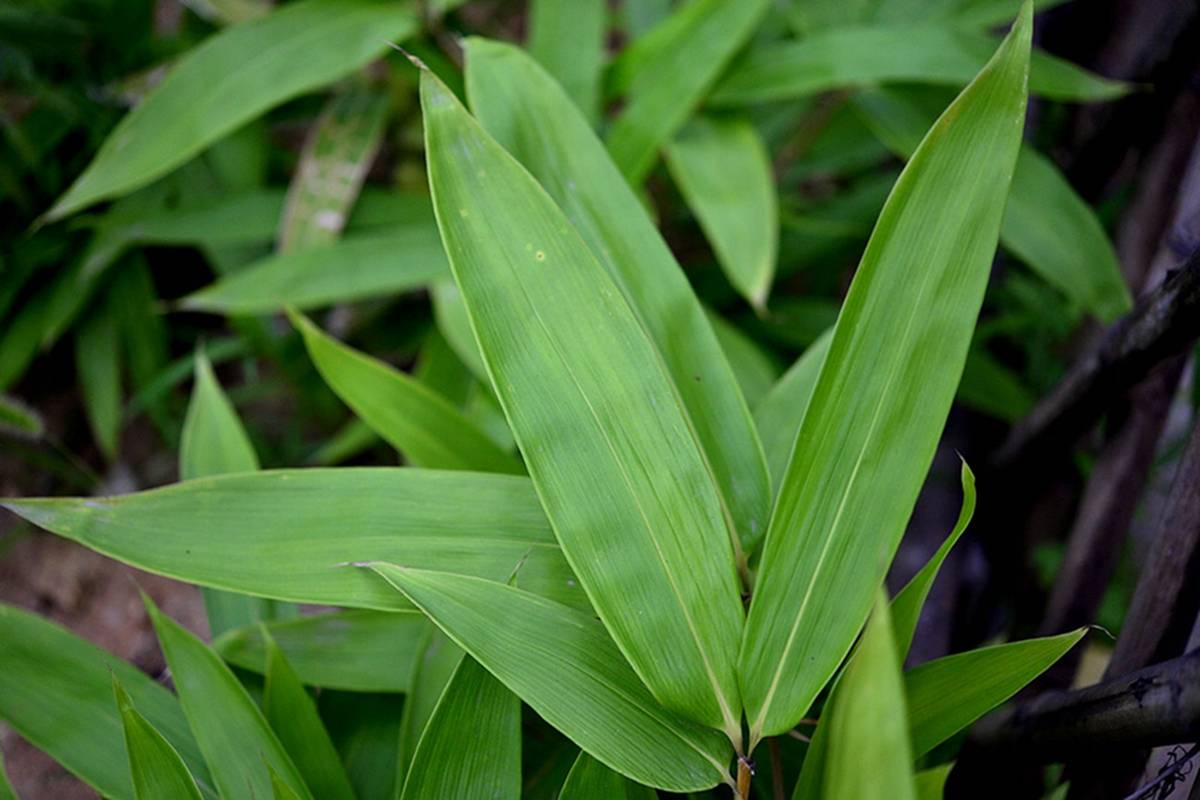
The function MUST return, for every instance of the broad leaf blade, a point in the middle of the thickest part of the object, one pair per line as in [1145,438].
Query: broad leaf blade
[605,438]
[724,172]
[564,665]
[512,98]
[884,391]
[471,746]
[289,534]
[232,77]
[591,780]
[568,40]
[157,771]
[418,422]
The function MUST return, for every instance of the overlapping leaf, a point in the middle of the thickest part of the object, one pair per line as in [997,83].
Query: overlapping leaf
[591,780]
[156,769]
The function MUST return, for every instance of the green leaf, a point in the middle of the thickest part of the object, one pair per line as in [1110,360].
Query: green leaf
[667,73]
[934,53]
[230,730]
[513,98]
[754,370]
[6,790]
[591,780]
[431,672]
[885,388]
[617,466]
[779,414]
[948,694]
[231,78]
[868,750]
[908,602]
[564,665]
[991,388]
[568,40]
[98,365]
[1046,224]
[354,268]
[18,419]
[56,691]
[333,165]
[289,534]
[471,746]
[157,771]
[724,172]
[931,783]
[375,650]
[293,717]
[366,728]
[422,425]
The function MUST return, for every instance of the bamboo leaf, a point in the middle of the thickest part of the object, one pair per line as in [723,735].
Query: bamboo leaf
[669,71]
[365,728]
[230,730]
[591,780]
[605,438]
[568,40]
[431,672]
[98,365]
[418,422]
[883,394]
[289,534]
[18,419]
[563,664]
[753,368]
[56,691]
[850,57]
[930,783]
[471,746]
[231,78]
[157,771]
[724,172]
[513,98]
[948,694]
[292,715]
[375,650]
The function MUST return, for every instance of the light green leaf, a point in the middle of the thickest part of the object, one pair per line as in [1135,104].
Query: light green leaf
[868,751]
[375,650]
[667,73]
[293,717]
[157,771]
[279,789]
[513,98]
[289,534]
[56,691]
[908,602]
[885,388]
[753,368]
[422,425]
[436,663]
[450,314]
[932,782]
[98,365]
[352,438]
[568,40]
[564,665]
[471,746]
[591,780]
[1046,224]
[230,730]
[617,466]
[333,165]
[846,58]
[948,694]
[231,78]
[724,172]
[355,268]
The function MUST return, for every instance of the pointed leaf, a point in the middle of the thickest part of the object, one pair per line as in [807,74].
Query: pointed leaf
[564,665]
[231,78]
[513,98]
[471,746]
[289,534]
[884,391]
[98,365]
[605,439]
[157,771]
[932,782]
[568,39]
[432,670]
[591,780]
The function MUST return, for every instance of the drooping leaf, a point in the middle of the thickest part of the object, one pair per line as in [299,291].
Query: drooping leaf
[56,691]
[724,172]
[471,746]
[948,694]
[779,414]
[98,365]
[156,769]
[564,665]
[512,98]
[604,435]
[666,73]
[229,79]
[418,422]
[568,40]
[289,534]
[591,780]
[230,730]
[885,388]
[292,715]
[375,650]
